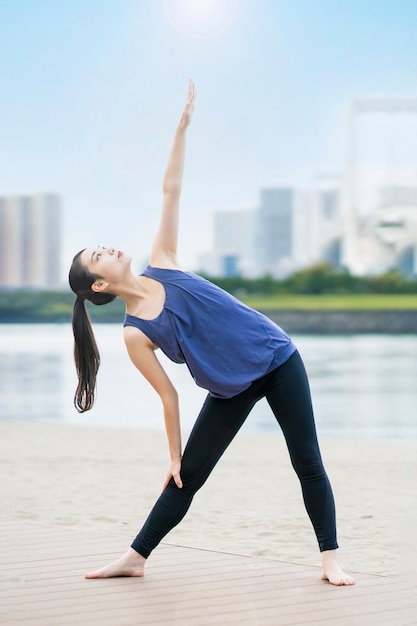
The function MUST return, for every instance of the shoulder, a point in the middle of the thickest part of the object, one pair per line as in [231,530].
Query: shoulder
[136,339]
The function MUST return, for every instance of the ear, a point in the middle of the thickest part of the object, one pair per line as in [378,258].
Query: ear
[99,286]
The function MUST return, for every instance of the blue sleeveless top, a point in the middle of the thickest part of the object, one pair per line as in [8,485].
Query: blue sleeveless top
[225,344]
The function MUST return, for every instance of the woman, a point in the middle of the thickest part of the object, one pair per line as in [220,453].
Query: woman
[234,352]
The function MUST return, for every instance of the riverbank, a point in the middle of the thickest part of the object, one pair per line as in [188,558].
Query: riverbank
[311,321]
[325,314]
[345,322]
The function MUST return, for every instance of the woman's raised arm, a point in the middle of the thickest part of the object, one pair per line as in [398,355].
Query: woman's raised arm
[164,249]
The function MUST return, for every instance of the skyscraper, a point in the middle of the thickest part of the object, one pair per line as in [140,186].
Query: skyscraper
[30,240]
[275,228]
[233,241]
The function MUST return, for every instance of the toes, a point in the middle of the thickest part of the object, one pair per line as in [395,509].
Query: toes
[94,575]
[338,581]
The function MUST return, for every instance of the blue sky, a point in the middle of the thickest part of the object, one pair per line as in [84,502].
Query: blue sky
[91,92]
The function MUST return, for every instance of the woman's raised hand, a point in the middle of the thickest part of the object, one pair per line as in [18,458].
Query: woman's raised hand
[189,105]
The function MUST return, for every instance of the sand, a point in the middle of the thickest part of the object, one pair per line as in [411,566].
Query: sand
[108,479]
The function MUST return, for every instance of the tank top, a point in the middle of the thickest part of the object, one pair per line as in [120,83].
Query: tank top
[225,344]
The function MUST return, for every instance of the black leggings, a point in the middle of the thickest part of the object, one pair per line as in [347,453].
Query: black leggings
[287,392]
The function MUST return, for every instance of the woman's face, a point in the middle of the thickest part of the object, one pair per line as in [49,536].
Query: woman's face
[108,263]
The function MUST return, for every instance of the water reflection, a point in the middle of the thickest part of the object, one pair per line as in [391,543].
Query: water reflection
[362,386]
[30,385]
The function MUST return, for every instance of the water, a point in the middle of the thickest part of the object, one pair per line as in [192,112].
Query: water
[363,386]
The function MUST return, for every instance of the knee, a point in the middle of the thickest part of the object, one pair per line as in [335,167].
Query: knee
[191,484]
[309,467]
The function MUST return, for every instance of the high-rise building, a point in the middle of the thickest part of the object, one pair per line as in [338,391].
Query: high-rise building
[274,237]
[233,244]
[320,234]
[10,242]
[378,184]
[30,240]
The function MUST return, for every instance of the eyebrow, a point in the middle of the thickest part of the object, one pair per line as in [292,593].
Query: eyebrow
[92,256]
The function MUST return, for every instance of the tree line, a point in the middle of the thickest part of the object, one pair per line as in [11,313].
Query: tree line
[33,305]
[319,279]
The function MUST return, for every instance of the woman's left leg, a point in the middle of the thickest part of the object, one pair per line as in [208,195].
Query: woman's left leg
[288,395]
[289,398]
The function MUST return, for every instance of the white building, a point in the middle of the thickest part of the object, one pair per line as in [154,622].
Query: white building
[379,193]
[233,249]
[274,235]
[318,223]
[371,243]
[387,237]
[30,241]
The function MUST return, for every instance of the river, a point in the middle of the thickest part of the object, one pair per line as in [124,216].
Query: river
[363,386]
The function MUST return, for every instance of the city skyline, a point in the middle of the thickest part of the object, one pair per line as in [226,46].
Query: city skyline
[93,92]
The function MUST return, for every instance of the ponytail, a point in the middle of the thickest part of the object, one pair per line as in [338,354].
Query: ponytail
[86,354]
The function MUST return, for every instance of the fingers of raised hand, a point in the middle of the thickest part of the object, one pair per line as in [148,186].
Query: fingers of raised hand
[191,92]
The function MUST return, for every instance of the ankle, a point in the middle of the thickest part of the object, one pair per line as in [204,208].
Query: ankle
[329,556]
[135,556]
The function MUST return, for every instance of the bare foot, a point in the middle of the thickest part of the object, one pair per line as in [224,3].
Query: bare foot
[130,564]
[332,570]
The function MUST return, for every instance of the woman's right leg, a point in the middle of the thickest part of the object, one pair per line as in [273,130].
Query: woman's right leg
[217,424]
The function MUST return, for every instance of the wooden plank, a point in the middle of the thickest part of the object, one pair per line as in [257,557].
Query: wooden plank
[42,584]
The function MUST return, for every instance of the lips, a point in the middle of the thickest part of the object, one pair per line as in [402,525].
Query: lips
[119,254]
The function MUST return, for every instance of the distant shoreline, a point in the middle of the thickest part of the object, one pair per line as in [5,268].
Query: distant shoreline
[328,321]
[345,322]
[332,313]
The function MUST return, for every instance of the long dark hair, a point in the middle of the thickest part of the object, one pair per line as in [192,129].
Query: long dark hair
[86,354]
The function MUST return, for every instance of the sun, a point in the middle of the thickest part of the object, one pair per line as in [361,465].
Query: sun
[200,19]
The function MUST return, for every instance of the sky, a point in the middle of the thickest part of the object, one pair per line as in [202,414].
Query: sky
[91,92]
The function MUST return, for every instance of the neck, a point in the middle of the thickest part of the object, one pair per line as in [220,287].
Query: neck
[131,290]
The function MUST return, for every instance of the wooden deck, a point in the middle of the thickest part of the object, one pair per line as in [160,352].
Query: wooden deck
[42,584]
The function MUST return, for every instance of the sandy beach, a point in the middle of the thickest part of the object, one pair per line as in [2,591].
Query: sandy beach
[108,479]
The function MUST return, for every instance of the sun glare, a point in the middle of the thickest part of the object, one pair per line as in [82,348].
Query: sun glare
[200,19]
